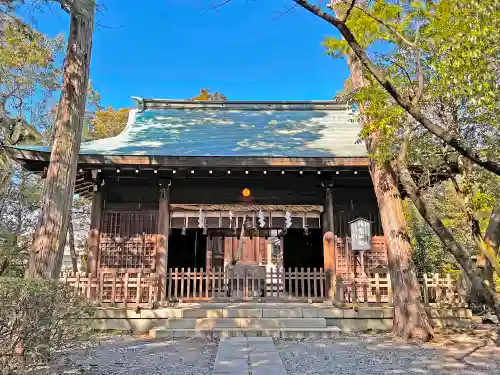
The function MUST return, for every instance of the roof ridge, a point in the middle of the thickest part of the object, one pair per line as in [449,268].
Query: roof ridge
[151,103]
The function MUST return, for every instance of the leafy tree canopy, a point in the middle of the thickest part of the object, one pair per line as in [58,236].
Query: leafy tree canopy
[205,94]
[108,122]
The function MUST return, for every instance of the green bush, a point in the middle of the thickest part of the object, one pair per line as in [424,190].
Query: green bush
[38,317]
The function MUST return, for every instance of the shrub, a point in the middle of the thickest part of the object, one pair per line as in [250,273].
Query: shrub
[38,317]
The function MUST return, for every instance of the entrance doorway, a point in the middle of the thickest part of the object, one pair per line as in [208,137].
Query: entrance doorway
[302,251]
[187,249]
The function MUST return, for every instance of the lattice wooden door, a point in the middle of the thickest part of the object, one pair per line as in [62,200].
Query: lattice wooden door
[128,241]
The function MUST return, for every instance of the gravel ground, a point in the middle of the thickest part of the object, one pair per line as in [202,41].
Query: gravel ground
[346,355]
[119,355]
[378,354]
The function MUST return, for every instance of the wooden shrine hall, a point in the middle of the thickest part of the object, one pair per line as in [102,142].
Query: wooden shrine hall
[203,195]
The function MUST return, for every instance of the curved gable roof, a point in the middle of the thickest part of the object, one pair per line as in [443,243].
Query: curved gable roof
[253,129]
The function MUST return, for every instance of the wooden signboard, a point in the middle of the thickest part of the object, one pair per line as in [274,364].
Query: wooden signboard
[361,234]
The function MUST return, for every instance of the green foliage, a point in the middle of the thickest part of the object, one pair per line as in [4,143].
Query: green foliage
[28,75]
[37,318]
[455,45]
[108,123]
[27,61]
[459,47]
[429,254]
[19,202]
[467,61]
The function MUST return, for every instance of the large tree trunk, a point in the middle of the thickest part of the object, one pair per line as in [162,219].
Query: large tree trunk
[410,319]
[492,243]
[48,243]
[461,255]
[71,244]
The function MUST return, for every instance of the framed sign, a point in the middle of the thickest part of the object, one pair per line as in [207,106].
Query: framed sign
[361,234]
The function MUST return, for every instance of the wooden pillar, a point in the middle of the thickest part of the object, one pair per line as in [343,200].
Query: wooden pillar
[329,255]
[163,231]
[328,217]
[94,232]
[329,264]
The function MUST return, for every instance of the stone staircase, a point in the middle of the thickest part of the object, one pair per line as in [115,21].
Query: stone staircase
[236,320]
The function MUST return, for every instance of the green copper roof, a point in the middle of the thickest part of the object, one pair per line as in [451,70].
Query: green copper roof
[176,128]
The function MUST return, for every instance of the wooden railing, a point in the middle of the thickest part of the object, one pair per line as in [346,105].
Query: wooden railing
[434,289]
[222,284]
[274,284]
[114,288]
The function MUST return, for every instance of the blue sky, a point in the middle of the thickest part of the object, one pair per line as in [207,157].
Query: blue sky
[174,47]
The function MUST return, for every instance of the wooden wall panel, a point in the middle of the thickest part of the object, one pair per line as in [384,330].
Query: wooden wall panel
[128,240]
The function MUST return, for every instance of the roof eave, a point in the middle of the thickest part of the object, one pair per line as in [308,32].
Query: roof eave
[37,158]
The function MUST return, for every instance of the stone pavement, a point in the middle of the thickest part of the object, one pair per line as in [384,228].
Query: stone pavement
[248,356]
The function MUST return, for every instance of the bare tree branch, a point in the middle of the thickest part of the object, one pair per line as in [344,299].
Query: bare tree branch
[287,10]
[219,4]
[348,12]
[80,7]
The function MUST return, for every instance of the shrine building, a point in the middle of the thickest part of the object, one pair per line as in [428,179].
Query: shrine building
[202,185]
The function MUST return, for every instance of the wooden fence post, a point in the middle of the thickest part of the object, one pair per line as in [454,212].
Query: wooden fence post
[378,297]
[339,289]
[354,291]
[139,289]
[425,290]
[100,288]
[389,289]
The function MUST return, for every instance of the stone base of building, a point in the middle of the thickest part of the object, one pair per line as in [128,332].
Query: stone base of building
[285,320]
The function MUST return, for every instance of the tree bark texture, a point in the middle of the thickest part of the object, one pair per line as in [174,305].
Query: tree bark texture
[71,244]
[491,242]
[461,255]
[50,235]
[410,319]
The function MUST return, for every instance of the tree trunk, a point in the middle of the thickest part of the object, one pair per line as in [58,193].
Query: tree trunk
[71,244]
[410,319]
[49,239]
[461,255]
[491,242]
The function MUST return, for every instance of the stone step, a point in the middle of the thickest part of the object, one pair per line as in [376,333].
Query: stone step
[256,323]
[260,311]
[284,333]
